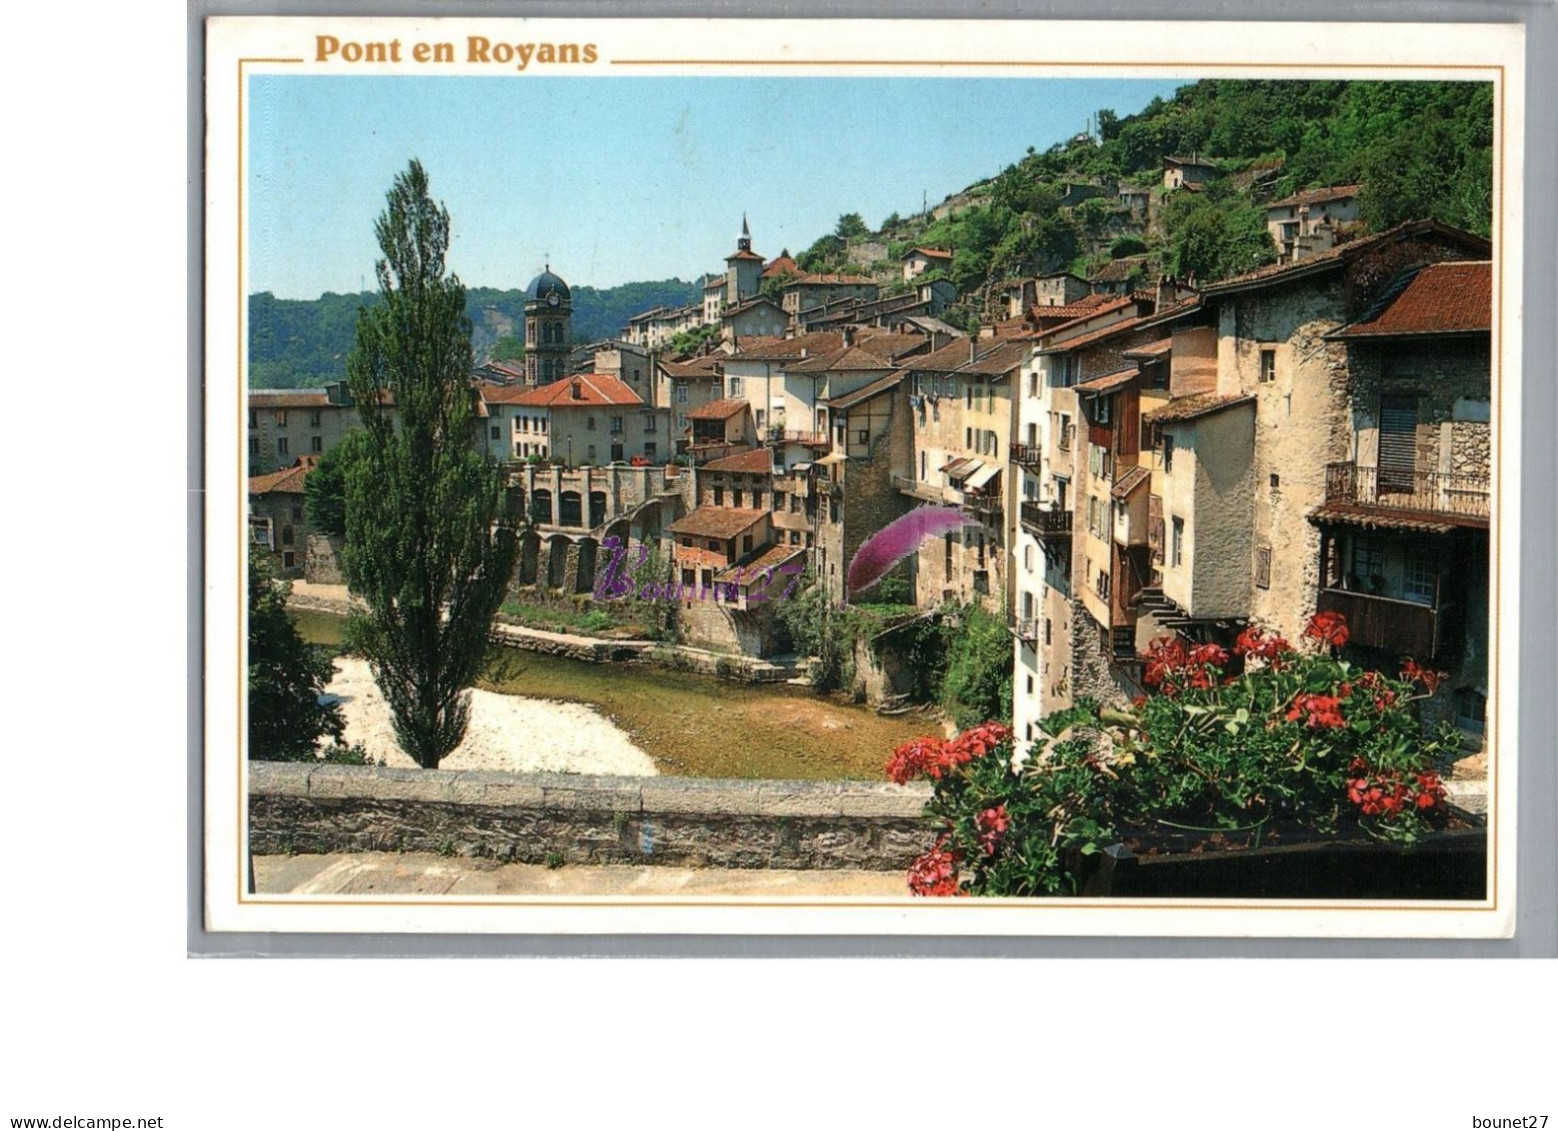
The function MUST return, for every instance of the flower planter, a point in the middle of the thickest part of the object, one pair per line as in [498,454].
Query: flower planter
[1451,864]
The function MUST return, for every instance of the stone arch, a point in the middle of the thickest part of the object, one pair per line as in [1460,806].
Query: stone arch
[597,509]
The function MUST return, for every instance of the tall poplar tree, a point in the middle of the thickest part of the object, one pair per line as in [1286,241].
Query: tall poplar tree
[427,546]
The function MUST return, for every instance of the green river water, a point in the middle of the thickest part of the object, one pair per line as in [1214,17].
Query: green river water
[697,725]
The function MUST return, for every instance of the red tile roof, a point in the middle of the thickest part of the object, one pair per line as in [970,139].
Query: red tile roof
[928,253]
[753,571]
[1316,196]
[768,349]
[759,461]
[1442,298]
[867,391]
[717,522]
[288,399]
[1277,273]
[743,255]
[783,265]
[1151,351]
[1109,382]
[287,481]
[718,410]
[589,390]
[1189,408]
[1119,270]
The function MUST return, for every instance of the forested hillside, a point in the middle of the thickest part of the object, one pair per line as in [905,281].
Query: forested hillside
[294,342]
[1419,149]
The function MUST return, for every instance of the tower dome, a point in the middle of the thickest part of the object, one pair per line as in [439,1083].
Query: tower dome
[545,283]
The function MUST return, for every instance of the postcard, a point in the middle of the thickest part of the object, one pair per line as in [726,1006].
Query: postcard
[861,477]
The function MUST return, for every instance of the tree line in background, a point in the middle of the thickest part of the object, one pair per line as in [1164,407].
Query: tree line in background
[302,343]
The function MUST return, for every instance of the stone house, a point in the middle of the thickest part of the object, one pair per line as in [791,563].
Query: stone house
[815,290]
[1311,221]
[1179,172]
[683,385]
[287,423]
[720,428]
[1058,288]
[585,419]
[960,397]
[918,260]
[729,568]
[278,524]
[1120,276]
[755,317]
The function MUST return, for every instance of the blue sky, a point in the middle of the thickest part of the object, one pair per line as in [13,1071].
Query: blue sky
[624,179]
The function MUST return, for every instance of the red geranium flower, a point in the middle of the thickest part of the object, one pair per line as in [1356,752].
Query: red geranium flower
[935,873]
[992,824]
[1329,628]
[1430,680]
[1317,711]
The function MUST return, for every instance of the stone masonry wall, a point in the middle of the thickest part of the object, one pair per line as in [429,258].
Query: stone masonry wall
[534,818]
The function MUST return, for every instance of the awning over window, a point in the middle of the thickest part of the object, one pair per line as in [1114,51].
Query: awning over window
[982,476]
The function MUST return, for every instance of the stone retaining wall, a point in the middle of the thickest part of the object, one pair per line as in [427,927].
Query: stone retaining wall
[575,819]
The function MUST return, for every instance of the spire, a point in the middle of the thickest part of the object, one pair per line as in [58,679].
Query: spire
[745,242]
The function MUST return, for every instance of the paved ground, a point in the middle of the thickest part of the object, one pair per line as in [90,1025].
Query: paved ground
[414,873]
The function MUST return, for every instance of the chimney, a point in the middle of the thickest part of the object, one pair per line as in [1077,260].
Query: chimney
[576,391]
[973,349]
[849,336]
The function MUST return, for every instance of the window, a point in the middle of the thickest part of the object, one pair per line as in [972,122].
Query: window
[1049,634]
[297,514]
[651,450]
[689,577]
[616,424]
[719,496]
[735,496]
[281,446]
[497,434]
[1066,432]
[254,419]
[1104,584]
[968,437]
[1268,365]
[281,418]
[1103,407]
[254,445]
[286,535]
[758,419]
[746,543]
[1421,578]
[1368,564]
[737,387]
[1177,552]
[1168,452]
[589,423]
[288,559]
[591,455]
[714,544]
[681,394]
[1027,558]
[922,465]
[757,499]
[863,436]
[778,500]
[1263,567]
[313,419]
[649,423]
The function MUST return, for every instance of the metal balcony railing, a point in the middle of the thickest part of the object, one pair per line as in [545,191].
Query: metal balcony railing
[1025,629]
[1432,492]
[1028,455]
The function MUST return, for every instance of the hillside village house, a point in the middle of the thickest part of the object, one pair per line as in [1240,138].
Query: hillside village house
[918,260]
[1260,422]
[682,386]
[720,428]
[1058,288]
[814,290]
[960,401]
[1311,221]
[757,317]
[277,521]
[1180,172]
[586,419]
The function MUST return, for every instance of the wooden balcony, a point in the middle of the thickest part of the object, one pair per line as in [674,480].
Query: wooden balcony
[1027,455]
[1045,524]
[927,492]
[1460,499]
[1404,628]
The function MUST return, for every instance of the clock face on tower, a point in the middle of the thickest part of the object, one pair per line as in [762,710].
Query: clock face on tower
[552,299]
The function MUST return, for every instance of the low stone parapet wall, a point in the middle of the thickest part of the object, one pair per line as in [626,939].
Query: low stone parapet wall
[575,819]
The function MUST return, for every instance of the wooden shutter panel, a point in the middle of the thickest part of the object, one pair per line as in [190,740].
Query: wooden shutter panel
[1397,443]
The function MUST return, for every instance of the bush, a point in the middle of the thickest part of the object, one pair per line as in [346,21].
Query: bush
[287,677]
[978,683]
[1228,741]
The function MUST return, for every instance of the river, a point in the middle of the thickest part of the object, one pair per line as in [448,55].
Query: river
[697,725]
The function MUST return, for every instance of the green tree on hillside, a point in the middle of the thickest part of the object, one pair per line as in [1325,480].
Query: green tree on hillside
[851,227]
[286,677]
[428,549]
[510,347]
